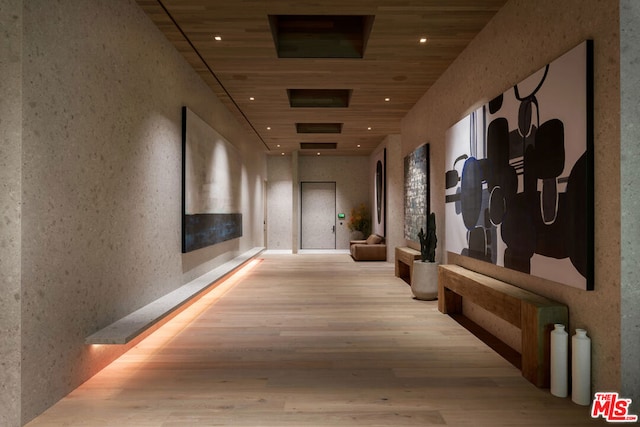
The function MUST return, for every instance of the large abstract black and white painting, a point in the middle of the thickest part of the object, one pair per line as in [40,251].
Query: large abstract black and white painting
[416,192]
[211,192]
[519,175]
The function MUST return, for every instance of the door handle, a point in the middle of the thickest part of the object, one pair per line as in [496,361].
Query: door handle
[333,229]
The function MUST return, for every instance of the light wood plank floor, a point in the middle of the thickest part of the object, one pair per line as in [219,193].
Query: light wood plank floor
[313,340]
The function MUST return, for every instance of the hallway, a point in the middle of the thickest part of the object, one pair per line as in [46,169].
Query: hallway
[312,340]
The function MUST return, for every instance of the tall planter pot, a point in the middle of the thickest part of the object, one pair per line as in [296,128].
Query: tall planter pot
[424,283]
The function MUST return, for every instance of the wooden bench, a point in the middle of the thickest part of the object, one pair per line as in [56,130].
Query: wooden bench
[404,262]
[533,314]
[131,326]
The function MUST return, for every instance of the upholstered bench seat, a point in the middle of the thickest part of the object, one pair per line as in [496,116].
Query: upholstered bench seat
[372,249]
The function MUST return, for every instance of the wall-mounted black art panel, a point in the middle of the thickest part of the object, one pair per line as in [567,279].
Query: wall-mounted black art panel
[210,185]
[380,192]
[519,180]
[416,192]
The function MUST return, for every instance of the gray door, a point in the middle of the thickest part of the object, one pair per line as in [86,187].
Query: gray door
[318,215]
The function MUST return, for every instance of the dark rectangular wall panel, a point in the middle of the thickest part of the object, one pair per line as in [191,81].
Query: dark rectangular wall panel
[203,230]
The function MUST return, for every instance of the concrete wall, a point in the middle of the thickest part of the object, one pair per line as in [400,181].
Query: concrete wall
[350,173]
[523,37]
[10,203]
[279,202]
[394,192]
[630,199]
[101,183]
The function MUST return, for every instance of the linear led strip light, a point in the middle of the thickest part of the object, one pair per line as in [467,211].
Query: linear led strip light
[148,346]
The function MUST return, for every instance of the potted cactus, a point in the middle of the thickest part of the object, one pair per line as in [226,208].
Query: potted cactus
[429,241]
[424,283]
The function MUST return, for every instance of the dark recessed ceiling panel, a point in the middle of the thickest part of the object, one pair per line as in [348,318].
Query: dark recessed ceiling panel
[319,98]
[320,36]
[318,145]
[319,127]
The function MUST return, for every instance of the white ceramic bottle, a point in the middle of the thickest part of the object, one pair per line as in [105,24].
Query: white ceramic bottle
[581,368]
[559,361]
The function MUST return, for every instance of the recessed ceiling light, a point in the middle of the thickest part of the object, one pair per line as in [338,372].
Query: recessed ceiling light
[268,127]
[282,154]
[251,98]
[387,99]
[423,40]
[369,128]
[217,38]
[358,145]
[318,154]
[278,146]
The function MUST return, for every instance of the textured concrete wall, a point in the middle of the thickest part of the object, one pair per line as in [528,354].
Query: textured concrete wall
[102,97]
[10,200]
[351,175]
[279,202]
[394,192]
[630,198]
[523,37]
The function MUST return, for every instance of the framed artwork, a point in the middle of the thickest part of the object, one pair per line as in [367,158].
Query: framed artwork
[519,175]
[416,192]
[211,179]
[378,225]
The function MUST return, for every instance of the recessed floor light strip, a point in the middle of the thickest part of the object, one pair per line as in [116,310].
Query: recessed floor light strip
[169,329]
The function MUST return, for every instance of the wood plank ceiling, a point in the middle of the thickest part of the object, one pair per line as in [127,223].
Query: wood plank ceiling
[364,52]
